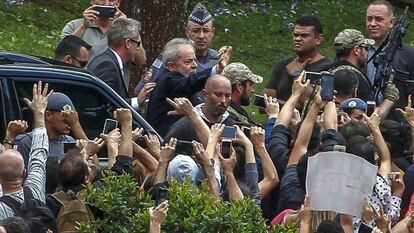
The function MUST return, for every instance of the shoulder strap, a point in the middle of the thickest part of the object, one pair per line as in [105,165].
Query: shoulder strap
[28,194]
[11,202]
[61,197]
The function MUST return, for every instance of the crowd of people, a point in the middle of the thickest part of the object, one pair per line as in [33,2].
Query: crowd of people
[193,97]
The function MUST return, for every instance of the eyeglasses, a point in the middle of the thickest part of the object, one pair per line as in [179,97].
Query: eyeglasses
[82,64]
[198,30]
[138,42]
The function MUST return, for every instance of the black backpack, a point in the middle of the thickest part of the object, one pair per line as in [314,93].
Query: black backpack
[34,212]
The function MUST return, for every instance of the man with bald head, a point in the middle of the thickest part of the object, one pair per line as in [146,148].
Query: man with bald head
[217,96]
[179,79]
[12,171]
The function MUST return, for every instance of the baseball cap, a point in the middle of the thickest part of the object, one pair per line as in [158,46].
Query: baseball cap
[200,15]
[58,102]
[353,103]
[239,72]
[182,166]
[349,38]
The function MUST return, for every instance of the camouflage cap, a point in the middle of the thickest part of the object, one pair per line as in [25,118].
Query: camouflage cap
[239,72]
[349,38]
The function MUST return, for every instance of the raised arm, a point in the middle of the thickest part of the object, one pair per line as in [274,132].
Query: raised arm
[286,114]
[112,140]
[149,162]
[183,106]
[330,118]
[213,139]
[72,119]
[124,117]
[305,131]
[270,179]
[36,174]
[206,163]
[373,122]
[14,128]
[228,166]
[165,158]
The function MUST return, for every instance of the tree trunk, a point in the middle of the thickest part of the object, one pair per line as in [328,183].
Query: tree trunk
[161,21]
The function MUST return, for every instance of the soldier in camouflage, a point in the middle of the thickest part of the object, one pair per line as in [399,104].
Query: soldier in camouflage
[242,80]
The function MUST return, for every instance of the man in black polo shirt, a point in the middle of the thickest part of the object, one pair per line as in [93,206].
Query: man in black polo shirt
[307,38]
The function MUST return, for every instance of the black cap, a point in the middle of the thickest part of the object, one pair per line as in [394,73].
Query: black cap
[200,15]
[58,102]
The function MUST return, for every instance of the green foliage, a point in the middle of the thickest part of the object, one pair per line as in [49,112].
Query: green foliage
[124,208]
[260,35]
[190,210]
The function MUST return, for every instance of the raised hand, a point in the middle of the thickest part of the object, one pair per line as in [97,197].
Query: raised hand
[224,57]
[272,106]
[15,128]
[70,117]
[40,95]
[145,92]
[182,106]
[90,16]
[201,156]
[257,136]
[298,87]
[408,112]
[159,213]
[168,150]
[113,138]
[123,115]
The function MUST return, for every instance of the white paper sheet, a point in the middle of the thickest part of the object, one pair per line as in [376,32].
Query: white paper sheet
[339,181]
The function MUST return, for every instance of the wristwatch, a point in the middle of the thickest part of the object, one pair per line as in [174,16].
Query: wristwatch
[296,73]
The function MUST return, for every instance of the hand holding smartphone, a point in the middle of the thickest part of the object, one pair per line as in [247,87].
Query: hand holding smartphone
[105,11]
[109,125]
[229,132]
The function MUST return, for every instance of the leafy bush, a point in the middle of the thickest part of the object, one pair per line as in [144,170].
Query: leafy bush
[191,210]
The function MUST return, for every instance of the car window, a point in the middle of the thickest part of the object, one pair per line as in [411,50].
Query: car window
[92,107]
[3,121]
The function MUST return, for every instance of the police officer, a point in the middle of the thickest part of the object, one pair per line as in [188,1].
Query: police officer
[201,31]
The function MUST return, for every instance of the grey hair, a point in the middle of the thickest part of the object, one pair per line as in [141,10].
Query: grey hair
[122,28]
[171,50]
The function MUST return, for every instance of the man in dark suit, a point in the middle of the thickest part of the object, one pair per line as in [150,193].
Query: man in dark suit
[179,79]
[123,42]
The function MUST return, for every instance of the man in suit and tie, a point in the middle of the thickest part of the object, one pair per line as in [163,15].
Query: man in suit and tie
[123,43]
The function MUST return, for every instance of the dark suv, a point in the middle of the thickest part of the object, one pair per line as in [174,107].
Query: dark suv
[93,99]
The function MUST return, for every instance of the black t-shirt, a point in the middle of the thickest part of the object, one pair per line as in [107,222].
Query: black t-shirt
[282,82]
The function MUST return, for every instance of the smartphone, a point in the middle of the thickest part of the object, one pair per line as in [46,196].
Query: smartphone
[246,130]
[109,125]
[141,142]
[68,146]
[184,147]
[229,132]
[314,77]
[327,83]
[225,148]
[370,107]
[105,11]
[259,101]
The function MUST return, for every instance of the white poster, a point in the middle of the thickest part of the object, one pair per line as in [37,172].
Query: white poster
[338,181]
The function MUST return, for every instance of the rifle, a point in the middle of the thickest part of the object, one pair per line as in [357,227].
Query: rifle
[383,61]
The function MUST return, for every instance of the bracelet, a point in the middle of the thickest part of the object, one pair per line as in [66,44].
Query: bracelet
[8,141]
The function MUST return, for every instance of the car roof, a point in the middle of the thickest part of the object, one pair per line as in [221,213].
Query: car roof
[20,65]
